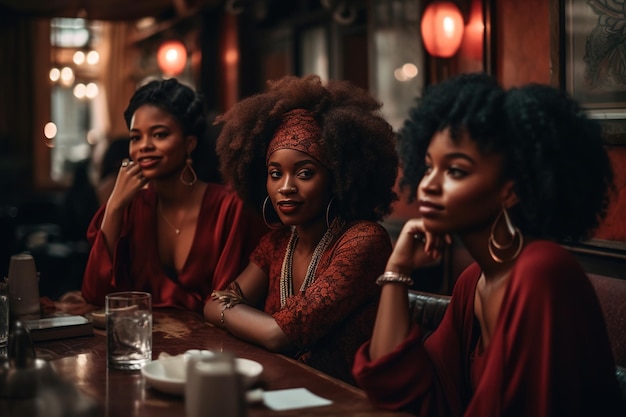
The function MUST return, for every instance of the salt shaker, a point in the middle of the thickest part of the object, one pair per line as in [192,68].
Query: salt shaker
[23,286]
[22,373]
[214,388]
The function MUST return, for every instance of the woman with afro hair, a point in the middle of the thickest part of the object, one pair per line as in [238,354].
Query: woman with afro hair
[320,162]
[511,173]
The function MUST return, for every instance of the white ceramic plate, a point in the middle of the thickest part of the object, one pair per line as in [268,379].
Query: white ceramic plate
[98,318]
[155,375]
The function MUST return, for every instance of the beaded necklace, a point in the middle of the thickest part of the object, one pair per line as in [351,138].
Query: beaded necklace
[286,278]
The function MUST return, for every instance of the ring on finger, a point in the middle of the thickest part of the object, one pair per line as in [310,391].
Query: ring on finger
[125,162]
[420,237]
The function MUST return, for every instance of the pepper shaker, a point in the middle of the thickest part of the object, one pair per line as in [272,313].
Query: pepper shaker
[214,388]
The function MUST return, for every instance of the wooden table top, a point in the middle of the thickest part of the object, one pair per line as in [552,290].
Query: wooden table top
[82,361]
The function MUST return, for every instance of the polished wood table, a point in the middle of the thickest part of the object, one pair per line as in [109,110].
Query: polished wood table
[125,393]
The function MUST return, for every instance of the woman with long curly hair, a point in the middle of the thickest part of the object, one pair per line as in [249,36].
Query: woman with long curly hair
[320,162]
[511,173]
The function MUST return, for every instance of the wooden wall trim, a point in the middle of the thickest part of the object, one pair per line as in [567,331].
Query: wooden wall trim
[557,50]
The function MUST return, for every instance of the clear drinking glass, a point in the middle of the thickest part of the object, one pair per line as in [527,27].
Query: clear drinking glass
[129,329]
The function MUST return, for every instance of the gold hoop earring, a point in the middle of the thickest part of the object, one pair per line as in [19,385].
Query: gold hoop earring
[513,231]
[188,168]
[328,219]
[277,224]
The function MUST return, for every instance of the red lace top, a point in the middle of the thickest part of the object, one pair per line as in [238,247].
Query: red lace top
[335,314]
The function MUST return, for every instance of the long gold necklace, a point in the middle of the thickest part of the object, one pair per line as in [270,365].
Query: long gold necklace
[286,278]
[176,229]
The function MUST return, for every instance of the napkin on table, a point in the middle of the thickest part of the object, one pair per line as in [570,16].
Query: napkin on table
[289,399]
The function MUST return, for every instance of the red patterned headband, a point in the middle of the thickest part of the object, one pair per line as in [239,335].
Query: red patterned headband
[300,131]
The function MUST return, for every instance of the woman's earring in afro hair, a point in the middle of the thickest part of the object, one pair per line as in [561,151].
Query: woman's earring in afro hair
[270,217]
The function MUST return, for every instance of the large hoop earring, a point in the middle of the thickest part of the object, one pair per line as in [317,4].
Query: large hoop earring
[188,168]
[328,219]
[515,236]
[277,224]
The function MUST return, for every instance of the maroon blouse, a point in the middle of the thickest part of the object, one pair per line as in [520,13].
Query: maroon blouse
[225,235]
[549,354]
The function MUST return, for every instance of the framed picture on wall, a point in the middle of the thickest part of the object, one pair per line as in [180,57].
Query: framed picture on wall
[587,62]
[593,60]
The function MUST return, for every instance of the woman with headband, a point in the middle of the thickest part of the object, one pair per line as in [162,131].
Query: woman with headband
[320,162]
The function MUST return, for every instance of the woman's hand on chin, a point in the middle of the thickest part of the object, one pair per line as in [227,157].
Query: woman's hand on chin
[416,248]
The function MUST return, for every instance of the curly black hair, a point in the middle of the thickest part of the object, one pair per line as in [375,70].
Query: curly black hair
[552,151]
[187,106]
[359,143]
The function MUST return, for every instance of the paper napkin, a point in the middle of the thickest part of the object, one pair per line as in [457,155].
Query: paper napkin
[289,399]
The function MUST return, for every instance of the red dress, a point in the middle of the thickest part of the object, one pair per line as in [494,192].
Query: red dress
[549,354]
[335,314]
[225,235]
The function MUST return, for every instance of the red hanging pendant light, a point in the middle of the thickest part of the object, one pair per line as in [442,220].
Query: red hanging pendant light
[172,57]
[442,28]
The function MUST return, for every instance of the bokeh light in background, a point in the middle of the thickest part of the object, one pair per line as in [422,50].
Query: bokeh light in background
[91,90]
[93,57]
[406,72]
[50,132]
[172,58]
[67,76]
[55,74]
[442,29]
[79,57]
[79,90]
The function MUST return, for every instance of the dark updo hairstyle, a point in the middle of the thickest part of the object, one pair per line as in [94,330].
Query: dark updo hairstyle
[358,142]
[178,99]
[187,106]
[552,151]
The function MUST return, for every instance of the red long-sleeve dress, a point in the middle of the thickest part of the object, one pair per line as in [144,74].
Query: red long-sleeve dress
[549,354]
[335,314]
[226,233]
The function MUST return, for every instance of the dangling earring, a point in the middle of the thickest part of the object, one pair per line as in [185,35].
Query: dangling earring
[277,224]
[192,173]
[515,235]
[328,219]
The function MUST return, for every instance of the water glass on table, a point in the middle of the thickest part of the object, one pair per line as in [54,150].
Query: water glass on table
[129,329]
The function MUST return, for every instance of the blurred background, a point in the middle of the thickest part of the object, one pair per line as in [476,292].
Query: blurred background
[69,68]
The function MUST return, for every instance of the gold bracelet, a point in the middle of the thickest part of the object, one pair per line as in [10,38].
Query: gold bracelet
[230,296]
[394,277]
